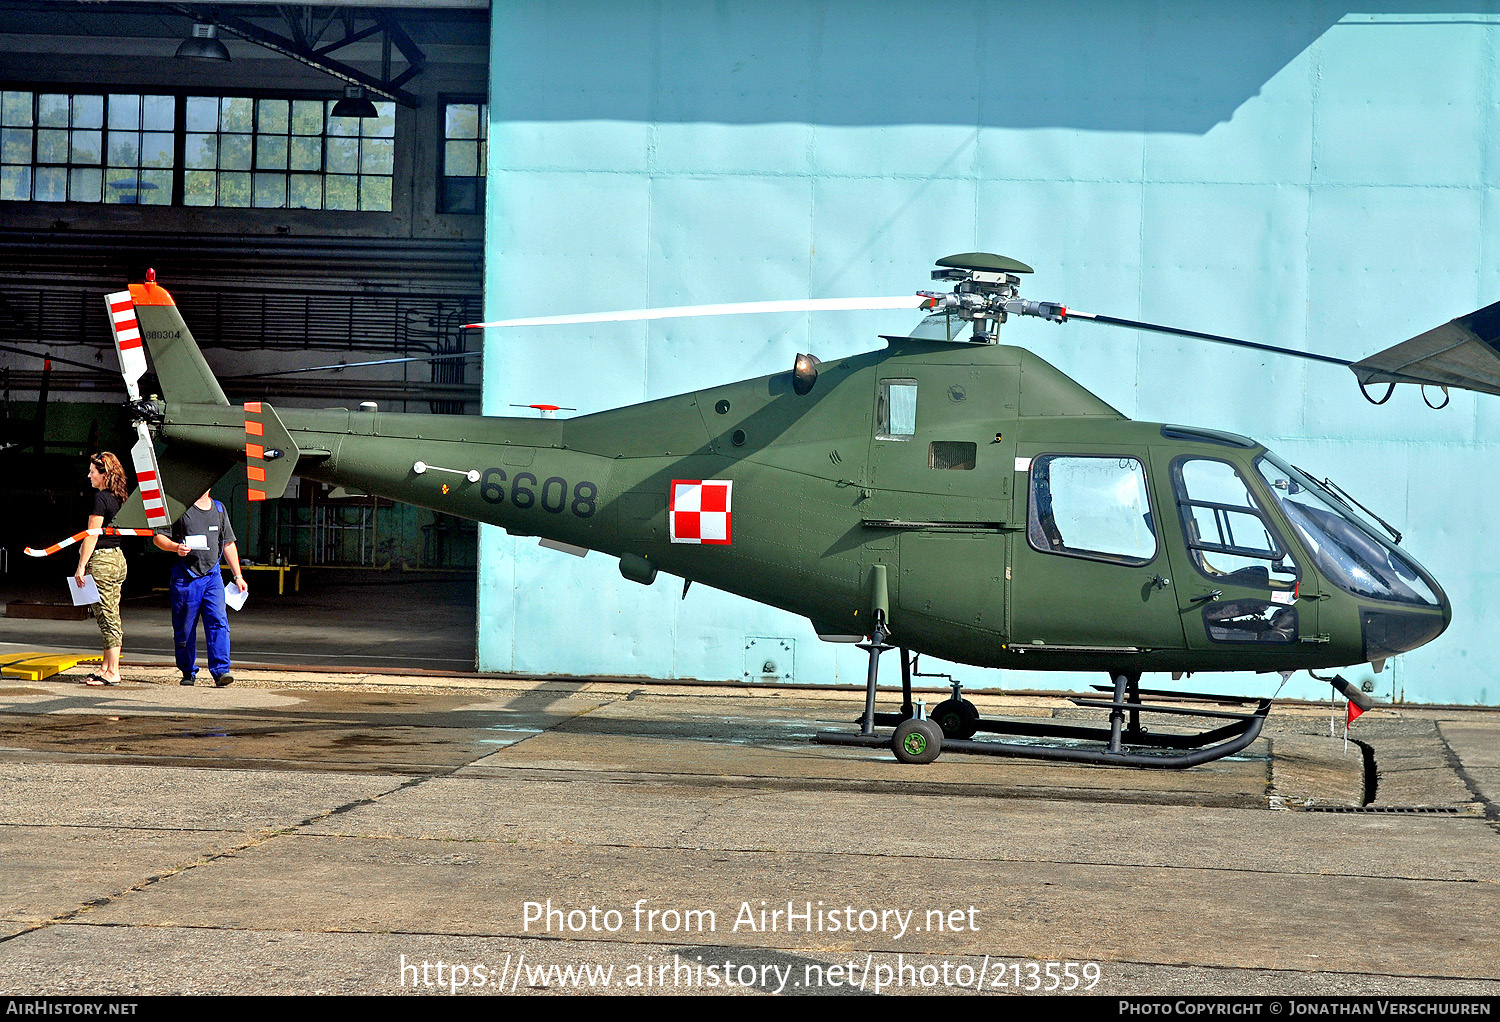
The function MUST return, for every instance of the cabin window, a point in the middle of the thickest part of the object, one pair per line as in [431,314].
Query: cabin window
[896,410]
[1228,534]
[1095,507]
[1250,621]
[952,454]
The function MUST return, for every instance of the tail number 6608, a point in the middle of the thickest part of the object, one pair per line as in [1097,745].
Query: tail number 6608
[551,493]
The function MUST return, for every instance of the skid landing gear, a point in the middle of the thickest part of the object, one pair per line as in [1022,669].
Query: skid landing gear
[1124,742]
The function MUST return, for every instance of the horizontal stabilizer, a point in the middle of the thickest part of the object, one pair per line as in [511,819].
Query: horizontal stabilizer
[183,480]
[1463,353]
[270,452]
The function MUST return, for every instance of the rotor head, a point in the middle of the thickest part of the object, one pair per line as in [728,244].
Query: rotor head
[986,289]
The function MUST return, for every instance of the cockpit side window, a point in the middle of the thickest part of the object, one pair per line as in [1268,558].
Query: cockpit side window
[1228,535]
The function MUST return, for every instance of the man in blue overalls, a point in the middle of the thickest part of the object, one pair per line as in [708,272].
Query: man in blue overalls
[199,537]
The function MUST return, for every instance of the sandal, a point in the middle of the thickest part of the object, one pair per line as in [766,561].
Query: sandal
[95,681]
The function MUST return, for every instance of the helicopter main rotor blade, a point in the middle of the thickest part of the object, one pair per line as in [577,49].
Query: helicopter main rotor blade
[48,356]
[1463,352]
[354,365]
[1217,338]
[729,309]
[63,544]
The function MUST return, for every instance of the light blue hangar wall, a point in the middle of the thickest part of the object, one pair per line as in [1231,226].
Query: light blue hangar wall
[1313,175]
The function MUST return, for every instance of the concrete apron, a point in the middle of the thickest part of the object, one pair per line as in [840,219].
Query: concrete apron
[276,836]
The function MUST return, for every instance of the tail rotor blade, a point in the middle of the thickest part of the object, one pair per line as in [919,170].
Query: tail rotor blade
[730,309]
[127,333]
[148,478]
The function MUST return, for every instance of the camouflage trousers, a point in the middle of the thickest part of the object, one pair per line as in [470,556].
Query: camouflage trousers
[108,569]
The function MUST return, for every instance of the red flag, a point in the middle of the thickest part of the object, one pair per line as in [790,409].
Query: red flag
[1352,714]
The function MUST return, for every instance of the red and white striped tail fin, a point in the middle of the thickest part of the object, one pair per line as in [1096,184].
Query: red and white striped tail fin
[127,334]
[148,478]
[63,544]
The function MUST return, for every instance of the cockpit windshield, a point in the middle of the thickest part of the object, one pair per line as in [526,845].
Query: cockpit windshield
[1349,552]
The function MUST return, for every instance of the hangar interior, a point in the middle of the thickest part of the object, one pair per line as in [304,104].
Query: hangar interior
[308,182]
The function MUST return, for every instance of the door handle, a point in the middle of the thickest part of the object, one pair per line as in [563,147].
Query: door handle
[1159,582]
[1212,594]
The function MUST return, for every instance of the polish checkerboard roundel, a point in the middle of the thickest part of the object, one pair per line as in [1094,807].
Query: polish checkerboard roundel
[700,511]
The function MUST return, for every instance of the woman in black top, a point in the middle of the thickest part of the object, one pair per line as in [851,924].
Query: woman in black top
[101,557]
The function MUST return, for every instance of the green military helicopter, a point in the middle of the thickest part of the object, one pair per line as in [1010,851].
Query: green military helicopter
[948,495]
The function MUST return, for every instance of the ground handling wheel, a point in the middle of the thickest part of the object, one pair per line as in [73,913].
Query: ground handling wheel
[917,741]
[958,718]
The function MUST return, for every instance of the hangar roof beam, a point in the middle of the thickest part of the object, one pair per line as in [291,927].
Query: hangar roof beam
[307,35]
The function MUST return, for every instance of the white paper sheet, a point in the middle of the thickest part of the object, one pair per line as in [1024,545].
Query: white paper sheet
[233,598]
[196,542]
[85,594]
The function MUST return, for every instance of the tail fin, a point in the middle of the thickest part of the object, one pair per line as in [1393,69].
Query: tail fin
[184,375]
[169,482]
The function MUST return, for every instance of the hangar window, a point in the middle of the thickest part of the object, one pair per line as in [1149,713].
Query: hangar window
[122,148]
[86,147]
[287,153]
[466,131]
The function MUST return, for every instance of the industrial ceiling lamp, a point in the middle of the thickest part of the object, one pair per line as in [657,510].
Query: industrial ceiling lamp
[354,104]
[204,43]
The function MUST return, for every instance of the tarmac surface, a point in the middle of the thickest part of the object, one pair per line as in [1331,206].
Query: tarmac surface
[343,617]
[314,832]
